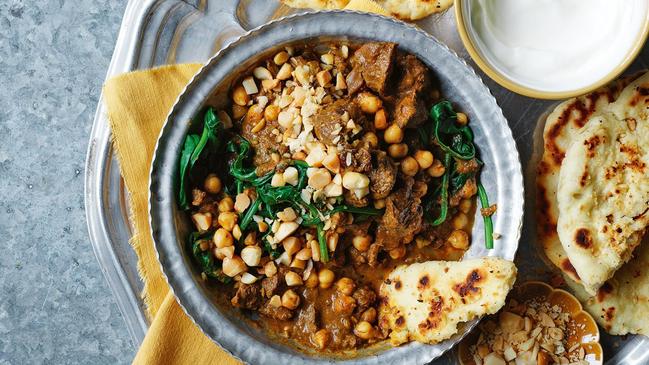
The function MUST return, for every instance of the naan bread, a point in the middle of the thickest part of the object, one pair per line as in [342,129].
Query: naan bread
[603,195]
[403,9]
[415,9]
[425,302]
[622,303]
[561,127]
[316,4]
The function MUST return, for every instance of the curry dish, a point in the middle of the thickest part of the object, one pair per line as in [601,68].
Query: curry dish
[332,165]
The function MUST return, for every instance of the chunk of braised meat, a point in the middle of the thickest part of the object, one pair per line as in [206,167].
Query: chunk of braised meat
[468,190]
[369,257]
[373,254]
[382,176]
[343,303]
[306,320]
[365,298]
[263,141]
[374,63]
[433,236]
[467,166]
[279,313]
[413,89]
[271,285]
[328,123]
[470,187]
[247,297]
[403,217]
[358,160]
[357,257]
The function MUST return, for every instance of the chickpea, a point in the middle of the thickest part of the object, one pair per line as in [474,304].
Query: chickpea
[371,139]
[397,253]
[227,220]
[459,239]
[380,120]
[343,303]
[460,221]
[362,242]
[226,204]
[238,111]
[240,96]
[379,203]
[364,330]
[345,286]
[290,300]
[437,169]
[409,166]
[465,205]
[369,315]
[462,119]
[422,242]
[393,134]
[222,238]
[204,245]
[281,58]
[398,150]
[424,159]
[271,112]
[212,184]
[322,338]
[369,103]
[312,280]
[326,278]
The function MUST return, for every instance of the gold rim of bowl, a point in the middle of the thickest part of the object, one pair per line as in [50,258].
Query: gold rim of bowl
[512,85]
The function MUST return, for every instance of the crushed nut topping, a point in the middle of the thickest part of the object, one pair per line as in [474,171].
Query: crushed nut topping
[533,332]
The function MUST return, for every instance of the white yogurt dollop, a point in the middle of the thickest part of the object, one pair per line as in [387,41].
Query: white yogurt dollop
[556,45]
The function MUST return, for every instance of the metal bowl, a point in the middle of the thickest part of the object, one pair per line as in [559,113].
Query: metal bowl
[459,83]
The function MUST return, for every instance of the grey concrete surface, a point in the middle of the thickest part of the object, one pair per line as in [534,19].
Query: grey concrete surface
[55,306]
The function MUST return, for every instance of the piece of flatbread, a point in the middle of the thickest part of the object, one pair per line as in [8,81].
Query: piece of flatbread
[415,9]
[560,129]
[621,305]
[425,302]
[623,301]
[603,195]
[316,4]
[402,9]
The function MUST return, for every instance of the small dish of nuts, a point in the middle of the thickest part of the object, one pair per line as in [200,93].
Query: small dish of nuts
[538,325]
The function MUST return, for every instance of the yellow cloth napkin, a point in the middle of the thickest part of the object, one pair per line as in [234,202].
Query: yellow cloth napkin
[137,105]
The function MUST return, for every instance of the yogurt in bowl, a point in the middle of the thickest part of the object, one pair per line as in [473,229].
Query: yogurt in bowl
[552,49]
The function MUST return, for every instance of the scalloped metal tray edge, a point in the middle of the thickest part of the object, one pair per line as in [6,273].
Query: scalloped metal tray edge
[157,32]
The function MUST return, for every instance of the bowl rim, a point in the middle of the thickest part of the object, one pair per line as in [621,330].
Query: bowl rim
[514,86]
[162,204]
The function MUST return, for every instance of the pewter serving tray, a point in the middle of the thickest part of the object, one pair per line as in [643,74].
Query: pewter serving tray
[158,32]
